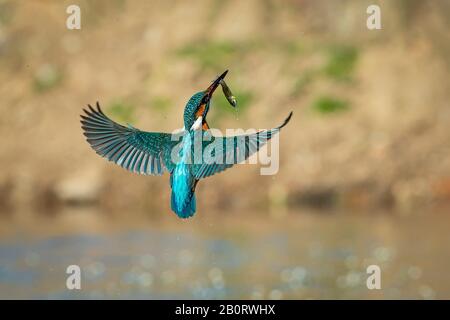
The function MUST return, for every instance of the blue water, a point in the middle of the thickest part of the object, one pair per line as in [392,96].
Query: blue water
[303,257]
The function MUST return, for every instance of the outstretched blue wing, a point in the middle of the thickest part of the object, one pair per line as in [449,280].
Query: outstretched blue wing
[135,150]
[232,150]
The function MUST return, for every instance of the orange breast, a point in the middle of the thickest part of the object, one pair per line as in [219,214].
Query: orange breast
[200,111]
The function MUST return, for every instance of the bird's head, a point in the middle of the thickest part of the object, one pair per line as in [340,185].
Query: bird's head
[198,106]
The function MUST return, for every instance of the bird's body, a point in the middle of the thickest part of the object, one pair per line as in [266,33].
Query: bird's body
[155,152]
[182,182]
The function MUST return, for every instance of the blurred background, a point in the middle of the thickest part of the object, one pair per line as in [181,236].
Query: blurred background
[364,164]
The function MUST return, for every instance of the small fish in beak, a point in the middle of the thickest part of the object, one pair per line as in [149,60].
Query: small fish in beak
[228,94]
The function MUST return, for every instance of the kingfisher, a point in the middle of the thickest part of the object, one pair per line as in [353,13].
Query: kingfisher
[153,153]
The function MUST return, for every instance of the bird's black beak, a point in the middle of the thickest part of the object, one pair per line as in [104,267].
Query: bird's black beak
[204,104]
[209,92]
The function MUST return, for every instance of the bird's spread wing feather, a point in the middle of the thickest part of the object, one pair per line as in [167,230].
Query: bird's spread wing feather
[235,149]
[135,150]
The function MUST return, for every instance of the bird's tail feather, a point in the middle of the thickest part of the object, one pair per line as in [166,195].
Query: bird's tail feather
[188,210]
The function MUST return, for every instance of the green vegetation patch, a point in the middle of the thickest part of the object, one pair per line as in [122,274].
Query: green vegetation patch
[329,105]
[341,62]
[121,111]
[209,54]
[47,77]
[303,81]
[161,103]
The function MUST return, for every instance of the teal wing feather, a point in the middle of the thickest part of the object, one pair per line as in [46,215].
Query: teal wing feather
[235,150]
[135,150]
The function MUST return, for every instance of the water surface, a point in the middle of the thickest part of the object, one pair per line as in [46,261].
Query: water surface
[231,256]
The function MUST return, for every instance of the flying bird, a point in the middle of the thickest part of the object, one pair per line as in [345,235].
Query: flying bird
[153,153]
